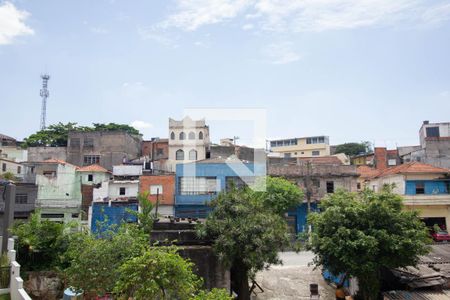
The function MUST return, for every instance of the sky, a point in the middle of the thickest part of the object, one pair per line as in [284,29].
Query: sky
[355,70]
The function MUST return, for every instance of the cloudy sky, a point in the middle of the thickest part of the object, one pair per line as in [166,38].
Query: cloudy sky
[351,69]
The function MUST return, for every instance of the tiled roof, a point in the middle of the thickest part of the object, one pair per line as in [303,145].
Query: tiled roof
[5,137]
[59,161]
[93,168]
[367,172]
[413,168]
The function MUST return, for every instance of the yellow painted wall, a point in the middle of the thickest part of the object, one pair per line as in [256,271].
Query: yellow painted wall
[432,211]
[302,146]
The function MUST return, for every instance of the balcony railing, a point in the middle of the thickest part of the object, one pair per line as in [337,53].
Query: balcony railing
[422,199]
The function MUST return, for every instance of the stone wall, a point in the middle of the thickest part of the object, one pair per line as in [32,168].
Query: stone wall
[44,153]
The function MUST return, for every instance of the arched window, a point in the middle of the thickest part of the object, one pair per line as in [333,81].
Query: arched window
[172,135]
[179,154]
[200,135]
[182,135]
[193,155]
[191,135]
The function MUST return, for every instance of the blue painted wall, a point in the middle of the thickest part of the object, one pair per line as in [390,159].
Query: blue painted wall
[196,206]
[116,214]
[300,213]
[432,187]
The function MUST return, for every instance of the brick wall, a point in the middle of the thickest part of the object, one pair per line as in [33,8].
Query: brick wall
[168,186]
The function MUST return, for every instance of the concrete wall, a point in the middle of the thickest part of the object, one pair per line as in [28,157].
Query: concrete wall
[9,166]
[127,170]
[243,153]
[14,153]
[111,146]
[21,210]
[131,189]
[44,153]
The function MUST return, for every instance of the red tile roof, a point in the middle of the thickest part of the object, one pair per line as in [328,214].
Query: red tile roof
[367,172]
[413,168]
[93,168]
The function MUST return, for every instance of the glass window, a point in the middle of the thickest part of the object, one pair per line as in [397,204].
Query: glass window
[91,160]
[156,189]
[193,155]
[432,131]
[90,177]
[200,135]
[420,188]
[122,191]
[315,153]
[182,135]
[179,154]
[198,185]
[172,135]
[330,187]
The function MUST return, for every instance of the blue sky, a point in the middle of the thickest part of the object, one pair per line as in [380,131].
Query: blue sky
[351,69]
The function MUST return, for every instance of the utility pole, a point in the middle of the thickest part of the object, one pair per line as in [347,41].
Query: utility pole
[9,197]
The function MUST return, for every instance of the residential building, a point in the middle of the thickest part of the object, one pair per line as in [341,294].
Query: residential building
[302,147]
[91,177]
[161,191]
[317,177]
[105,148]
[157,152]
[42,153]
[25,201]
[15,168]
[434,146]
[424,188]
[59,189]
[366,159]
[125,183]
[240,152]
[10,149]
[188,141]
[199,182]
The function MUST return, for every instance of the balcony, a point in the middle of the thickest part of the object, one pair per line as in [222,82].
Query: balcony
[423,199]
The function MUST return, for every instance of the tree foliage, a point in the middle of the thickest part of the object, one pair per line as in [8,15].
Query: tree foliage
[359,234]
[352,149]
[145,216]
[56,135]
[249,230]
[41,243]
[159,273]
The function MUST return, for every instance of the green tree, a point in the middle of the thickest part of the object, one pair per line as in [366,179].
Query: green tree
[214,294]
[41,243]
[352,149]
[249,230]
[56,135]
[159,273]
[145,216]
[9,176]
[94,262]
[358,234]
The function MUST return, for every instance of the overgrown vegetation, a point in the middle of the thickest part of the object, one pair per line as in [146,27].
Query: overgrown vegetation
[358,234]
[249,229]
[56,135]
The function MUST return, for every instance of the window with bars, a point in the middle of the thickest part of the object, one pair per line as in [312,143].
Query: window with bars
[238,182]
[21,198]
[198,185]
[91,159]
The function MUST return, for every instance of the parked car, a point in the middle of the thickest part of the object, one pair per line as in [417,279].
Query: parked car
[440,236]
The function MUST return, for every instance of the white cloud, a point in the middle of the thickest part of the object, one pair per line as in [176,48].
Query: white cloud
[158,34]
[248,27]
[12,23]
[280,53]
[141,125]
[306,15]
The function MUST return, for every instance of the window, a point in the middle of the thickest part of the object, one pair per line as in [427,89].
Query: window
[91,160]
[315,153]
[287,155]
[19,169]
[420,188]
[49,174]
[281,143]
[74,143]
[198,185]
[4,167]
[172,135]
[21,198]
[432,131]
[238,182]
[316,183]
[75,215]
[330,187]
[392,162]
[156,189]
[193,155]
[179,155]
[122,191]
[52,216]
[200,135]
[358,185]
[191,135]
[90,177]
[159,151]
[315,140]
[88,143]
[182,135]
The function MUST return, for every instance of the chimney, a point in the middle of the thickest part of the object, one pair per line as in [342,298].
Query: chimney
[380,158]
[426,122]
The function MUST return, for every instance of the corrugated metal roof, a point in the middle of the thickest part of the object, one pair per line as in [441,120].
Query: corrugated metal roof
[417,295]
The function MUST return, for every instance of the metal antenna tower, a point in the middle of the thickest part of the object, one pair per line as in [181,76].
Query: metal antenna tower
[44,95]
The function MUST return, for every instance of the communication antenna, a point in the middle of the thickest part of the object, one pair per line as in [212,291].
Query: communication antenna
[44,95]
